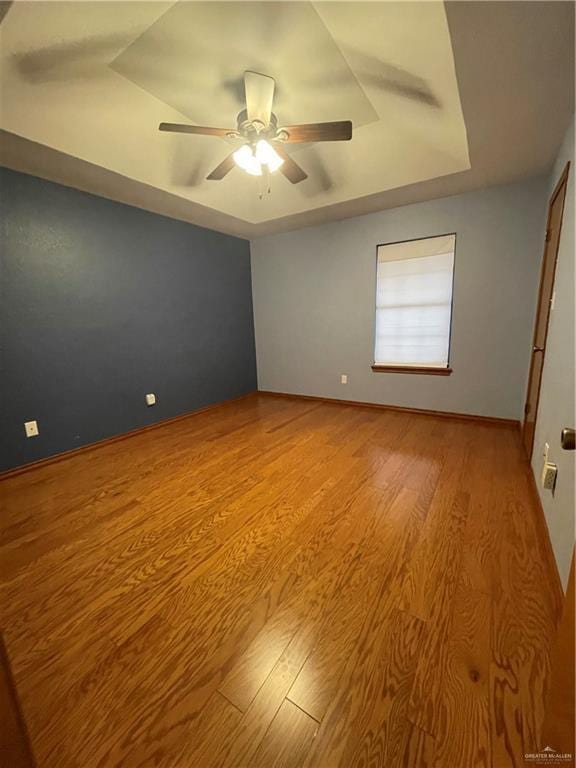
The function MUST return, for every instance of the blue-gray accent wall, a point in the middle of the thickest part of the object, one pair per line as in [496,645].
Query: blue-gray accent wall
[102,303]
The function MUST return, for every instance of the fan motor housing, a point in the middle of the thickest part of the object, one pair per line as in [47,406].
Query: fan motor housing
[252,130]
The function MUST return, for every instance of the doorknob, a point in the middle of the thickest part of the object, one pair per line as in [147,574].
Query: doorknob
[537,349]
[568,439]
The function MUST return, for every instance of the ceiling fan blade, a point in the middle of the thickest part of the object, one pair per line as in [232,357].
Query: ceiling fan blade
[337,131]
[221,170]
[181,128]
[259,95]
[389,78]
[289,167]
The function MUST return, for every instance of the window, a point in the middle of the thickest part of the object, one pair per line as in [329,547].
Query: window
[414,305]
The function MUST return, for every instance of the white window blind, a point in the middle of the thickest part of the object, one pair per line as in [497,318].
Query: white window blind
[414,302]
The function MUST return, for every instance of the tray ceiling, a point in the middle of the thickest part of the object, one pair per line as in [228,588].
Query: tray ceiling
[93,80]
[85,84]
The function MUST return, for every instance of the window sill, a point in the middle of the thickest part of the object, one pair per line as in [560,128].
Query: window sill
[422,369]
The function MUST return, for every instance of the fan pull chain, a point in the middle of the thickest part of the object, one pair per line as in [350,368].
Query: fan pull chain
[264,183]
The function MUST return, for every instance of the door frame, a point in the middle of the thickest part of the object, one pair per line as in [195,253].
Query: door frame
[562,182]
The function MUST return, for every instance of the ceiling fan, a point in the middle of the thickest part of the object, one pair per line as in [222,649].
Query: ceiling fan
[263,151]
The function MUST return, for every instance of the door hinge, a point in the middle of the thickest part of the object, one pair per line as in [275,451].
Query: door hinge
[548,235]
[527,409]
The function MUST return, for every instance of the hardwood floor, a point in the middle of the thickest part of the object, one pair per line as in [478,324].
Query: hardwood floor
[281,583]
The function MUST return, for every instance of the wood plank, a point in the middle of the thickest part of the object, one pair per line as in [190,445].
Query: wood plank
[427,702]
[419,749]
[318,681]
[193,742]
[316,602]
[364,688]
[463,731]
[381,727]
[559,720]
[524,620]
[456,701]
[288,739]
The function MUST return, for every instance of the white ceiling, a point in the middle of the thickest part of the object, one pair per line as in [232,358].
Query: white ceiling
[443,99]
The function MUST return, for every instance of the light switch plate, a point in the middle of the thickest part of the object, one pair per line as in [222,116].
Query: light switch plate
[151,399]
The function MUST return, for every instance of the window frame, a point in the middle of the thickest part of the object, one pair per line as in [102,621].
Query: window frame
[415,369]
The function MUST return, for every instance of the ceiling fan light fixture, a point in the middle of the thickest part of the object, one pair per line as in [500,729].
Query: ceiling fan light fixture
[247,160]
[267,155]
[258,121]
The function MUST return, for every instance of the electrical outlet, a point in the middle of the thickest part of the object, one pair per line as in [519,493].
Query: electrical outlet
[549,475]
[344,378]
[31,428]
[151,399]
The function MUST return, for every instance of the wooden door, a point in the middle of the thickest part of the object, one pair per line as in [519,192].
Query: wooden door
[553,231]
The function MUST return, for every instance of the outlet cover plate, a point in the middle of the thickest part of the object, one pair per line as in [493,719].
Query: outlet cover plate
[31,428]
